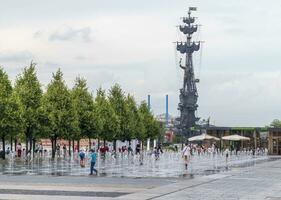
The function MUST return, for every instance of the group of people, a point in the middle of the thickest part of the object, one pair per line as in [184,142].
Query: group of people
[93,160]
[212,150]
[19,150]
[187,152]
[39,149]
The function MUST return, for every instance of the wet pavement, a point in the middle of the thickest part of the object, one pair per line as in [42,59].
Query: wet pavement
[208,177]
[169,165]
[258,182]
[61,193]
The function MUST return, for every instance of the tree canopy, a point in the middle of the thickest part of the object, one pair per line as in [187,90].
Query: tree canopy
[72,114]
[29,93]
[276,123]
[60,110]
[10,119]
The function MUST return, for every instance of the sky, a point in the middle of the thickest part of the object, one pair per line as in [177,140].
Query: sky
[130,42]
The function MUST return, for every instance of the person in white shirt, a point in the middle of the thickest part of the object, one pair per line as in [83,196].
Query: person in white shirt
[186,155]
[226,155]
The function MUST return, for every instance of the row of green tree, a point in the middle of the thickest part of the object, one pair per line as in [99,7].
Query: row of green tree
[72,114]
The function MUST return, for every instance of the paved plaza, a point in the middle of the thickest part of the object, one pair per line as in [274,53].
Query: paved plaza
[124,178]
[169,165]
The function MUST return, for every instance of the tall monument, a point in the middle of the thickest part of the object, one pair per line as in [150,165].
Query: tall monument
[188,93]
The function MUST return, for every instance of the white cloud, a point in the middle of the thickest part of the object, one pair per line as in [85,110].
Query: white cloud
[15,56]
[66,33]
[232,96]
[130,42]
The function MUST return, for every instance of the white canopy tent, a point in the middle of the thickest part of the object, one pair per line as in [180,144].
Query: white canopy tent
[235,138]
[202,137]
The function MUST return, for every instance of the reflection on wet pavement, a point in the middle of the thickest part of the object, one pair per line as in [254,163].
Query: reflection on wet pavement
[170,164]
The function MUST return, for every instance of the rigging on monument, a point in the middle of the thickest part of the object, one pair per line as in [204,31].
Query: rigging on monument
[188,93]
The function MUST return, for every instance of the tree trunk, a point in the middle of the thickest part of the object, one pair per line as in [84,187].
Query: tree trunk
[53,148]
[11,143]
[16,141]
[98,143]
[69,148]
[78,145]
[4,149]
[27,139]
[114,145]
[90,144]
[128,147]
[30,144]
[33,147]
[26,144]
[73,149]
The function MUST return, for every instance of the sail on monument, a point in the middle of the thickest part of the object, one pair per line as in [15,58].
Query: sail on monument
[188,93]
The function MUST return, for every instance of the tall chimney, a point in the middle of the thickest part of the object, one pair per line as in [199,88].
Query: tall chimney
[148,102]
[167,109]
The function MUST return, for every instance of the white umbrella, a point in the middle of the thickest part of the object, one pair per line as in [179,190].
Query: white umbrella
[235,138]
[204,136]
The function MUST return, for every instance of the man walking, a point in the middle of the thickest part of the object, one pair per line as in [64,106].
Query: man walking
[93,161]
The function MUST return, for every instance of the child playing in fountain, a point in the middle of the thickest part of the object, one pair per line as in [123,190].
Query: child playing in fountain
[186,155]
[82,155]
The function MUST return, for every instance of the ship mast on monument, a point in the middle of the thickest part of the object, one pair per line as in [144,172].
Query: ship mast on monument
[188,93]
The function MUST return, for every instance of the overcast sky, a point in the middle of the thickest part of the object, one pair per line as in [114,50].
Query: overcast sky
[131,42]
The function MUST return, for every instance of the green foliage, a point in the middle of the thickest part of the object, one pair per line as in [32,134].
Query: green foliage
[132,118]
[177,139]
[117,101]
[5,85]
[170,148]
[61,116]
[151,128]
[5,94]
[84,106]
[107,122]
[61,113]
[29,94]
[276,123]
[10,119]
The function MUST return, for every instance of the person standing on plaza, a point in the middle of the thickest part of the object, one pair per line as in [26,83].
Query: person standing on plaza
[130,150]
[64,150]
[138,149]
[93,158]
[19,150]
[8,151]
[82,155]
[41,150]
[226,155]
[36,149]
[186,155]
[213,150]
[156,153]
[58,150]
